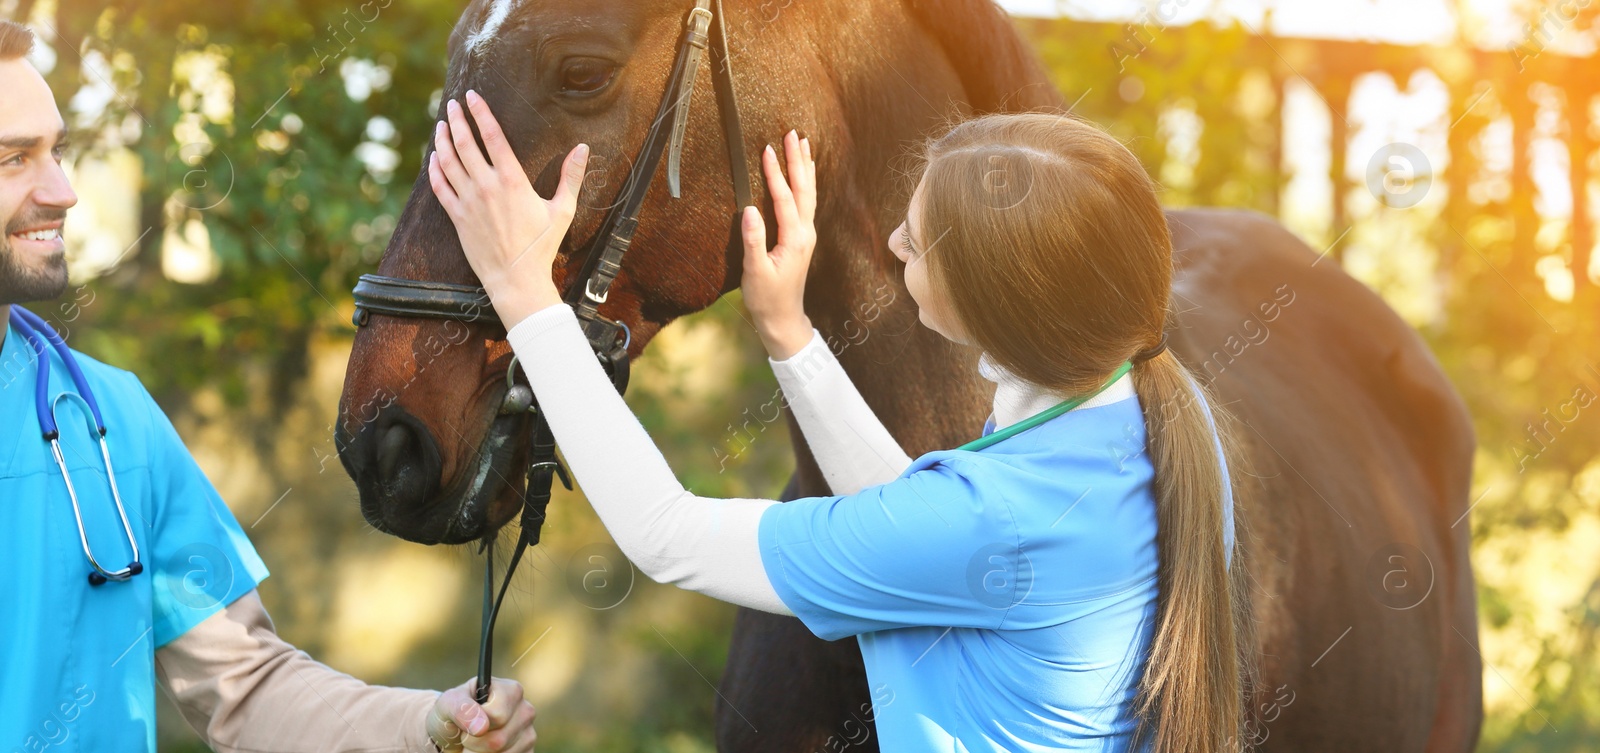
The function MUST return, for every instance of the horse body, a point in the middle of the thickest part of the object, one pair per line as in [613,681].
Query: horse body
[1358,463]
[1357,451]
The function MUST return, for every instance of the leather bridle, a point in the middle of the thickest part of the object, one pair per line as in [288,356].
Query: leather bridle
[705,29]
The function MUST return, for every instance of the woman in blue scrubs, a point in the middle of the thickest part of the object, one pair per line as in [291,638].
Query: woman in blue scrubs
[80,656]
[1061,583]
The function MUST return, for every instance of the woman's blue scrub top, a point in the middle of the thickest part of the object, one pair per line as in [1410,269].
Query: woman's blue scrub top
[77,662]
[1004,599]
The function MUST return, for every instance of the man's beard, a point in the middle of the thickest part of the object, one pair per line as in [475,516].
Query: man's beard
[20,284]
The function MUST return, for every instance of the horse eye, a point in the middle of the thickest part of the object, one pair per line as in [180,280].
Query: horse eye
[586,75]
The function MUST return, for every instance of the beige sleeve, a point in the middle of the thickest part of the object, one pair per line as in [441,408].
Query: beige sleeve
[244,689]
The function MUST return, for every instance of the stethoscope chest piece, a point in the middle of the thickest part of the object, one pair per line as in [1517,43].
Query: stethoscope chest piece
[37,333]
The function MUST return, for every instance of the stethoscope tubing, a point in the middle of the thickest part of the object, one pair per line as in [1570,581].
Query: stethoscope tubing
[33,328]
[37,332]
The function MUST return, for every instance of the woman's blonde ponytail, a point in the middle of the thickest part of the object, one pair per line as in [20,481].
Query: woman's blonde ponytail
[1191,695]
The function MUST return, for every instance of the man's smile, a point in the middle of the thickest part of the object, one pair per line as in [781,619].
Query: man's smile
[39,239]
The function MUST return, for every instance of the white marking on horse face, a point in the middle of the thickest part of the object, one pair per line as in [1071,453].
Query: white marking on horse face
[491,25]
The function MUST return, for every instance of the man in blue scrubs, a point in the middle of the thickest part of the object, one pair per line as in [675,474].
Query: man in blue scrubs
[79,663]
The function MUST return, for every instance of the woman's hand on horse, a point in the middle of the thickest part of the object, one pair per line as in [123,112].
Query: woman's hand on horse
[509,233]
[505,723]
[774,281]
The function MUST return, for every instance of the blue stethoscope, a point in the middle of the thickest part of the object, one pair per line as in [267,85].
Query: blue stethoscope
[36,332]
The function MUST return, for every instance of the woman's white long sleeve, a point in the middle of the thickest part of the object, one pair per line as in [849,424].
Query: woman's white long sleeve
[697,543]
[851,446]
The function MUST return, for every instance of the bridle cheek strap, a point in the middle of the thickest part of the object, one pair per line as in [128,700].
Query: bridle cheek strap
[703,29]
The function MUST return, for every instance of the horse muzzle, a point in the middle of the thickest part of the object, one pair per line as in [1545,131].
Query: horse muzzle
[396,464]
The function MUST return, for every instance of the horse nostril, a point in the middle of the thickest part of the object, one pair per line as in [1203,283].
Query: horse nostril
[396,467]
[393,447]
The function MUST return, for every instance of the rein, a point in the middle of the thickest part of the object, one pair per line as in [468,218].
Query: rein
[705,29]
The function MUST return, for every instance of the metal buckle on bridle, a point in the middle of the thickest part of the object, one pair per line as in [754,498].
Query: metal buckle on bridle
[699,20]
[588,291]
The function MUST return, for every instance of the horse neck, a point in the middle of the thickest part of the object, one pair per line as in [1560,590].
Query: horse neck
[999,72]
[966,56]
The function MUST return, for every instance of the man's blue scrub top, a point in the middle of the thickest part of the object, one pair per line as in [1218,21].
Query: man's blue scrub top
[77,664]
[1004,599]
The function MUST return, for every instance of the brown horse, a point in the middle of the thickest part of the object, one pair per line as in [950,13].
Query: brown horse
[1359,452]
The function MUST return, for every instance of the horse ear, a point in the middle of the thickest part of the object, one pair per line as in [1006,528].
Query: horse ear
[981,43]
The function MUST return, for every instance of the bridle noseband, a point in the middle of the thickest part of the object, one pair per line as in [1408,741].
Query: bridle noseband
[704,29]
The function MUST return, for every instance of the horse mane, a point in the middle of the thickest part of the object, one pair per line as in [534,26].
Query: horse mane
[999,71]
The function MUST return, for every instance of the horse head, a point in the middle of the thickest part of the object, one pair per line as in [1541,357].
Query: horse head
[419,429]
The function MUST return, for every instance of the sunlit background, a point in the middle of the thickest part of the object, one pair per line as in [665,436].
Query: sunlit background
[242,161]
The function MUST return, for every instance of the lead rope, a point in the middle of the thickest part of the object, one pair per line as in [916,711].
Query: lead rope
[543,468]
[610,339]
